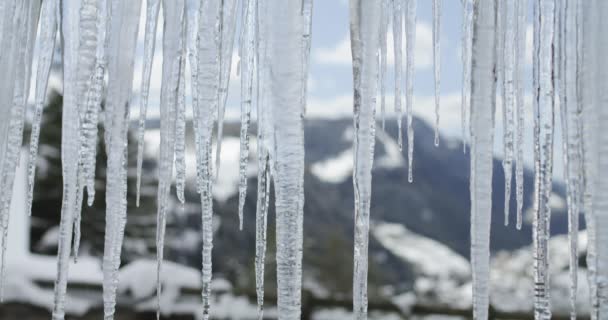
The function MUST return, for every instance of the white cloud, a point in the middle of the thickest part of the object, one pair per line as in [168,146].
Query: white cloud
[423,51]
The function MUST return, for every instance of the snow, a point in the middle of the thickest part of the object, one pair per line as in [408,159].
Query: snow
[25,271]
[423,253]
[227,181]
[334,170]
[511,271]
[439,272]
[340,167]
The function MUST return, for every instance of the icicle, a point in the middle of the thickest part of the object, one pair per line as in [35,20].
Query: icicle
[364,26]
[48,32]
[383,56]
[467,36]
[522,7]
[173,12]
[283,62]
[409,79]
[543,146]
[86,65]
[227,31]
[397,38]
[22,20]
[508,94]
[70,10]
[192,14]
[208,91]
[571,132]
[261,215]
[437,61]
[482,138]
[121,54]
[93,101]
[78,216]
[264,138]
[587,63]
[246,100]
[180,126]
[593,73]
[306,37]
[152,9]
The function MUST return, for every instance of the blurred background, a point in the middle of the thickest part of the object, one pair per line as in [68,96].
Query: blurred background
[419,239]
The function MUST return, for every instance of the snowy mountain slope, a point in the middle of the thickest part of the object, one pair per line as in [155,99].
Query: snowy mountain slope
[434,209]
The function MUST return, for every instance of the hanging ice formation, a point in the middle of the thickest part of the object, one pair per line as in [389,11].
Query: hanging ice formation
[18,18]
[226,41]
[410,28]
[365,41]
[152,10]
[595,157]
[570,110]
[482,139]
[467,36]
[437,61]
[123,27]
[509,52]
[98,39]
[46,42]
[383,57]
[397,38]
[69,148]
[248,46]
[519,98]
[543,150]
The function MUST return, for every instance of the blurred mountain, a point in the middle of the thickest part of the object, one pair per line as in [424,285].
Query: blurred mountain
[435,206]
[419,229]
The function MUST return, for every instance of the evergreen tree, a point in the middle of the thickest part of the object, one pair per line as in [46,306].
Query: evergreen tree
[140,231]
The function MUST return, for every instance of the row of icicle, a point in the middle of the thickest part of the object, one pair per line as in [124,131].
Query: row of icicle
[98,40]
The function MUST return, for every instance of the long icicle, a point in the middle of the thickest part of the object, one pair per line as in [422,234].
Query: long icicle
[588,101]
[124,25]
[483,104]
[86,67]
[593,102]
[192,17]
[386,9]
[152,10]
[437,62]
[409,79]
[284,59]
[398,48]
[571,133]
[227,31]
[48,34]
[247,65]
[467,36]
[93,99]
[208,86]
[173,12]
[543,146]
[522,7]
[306,43]
[264,138]
[180,125]
[508,100]
[69,148]
[364,26]
[24,23]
